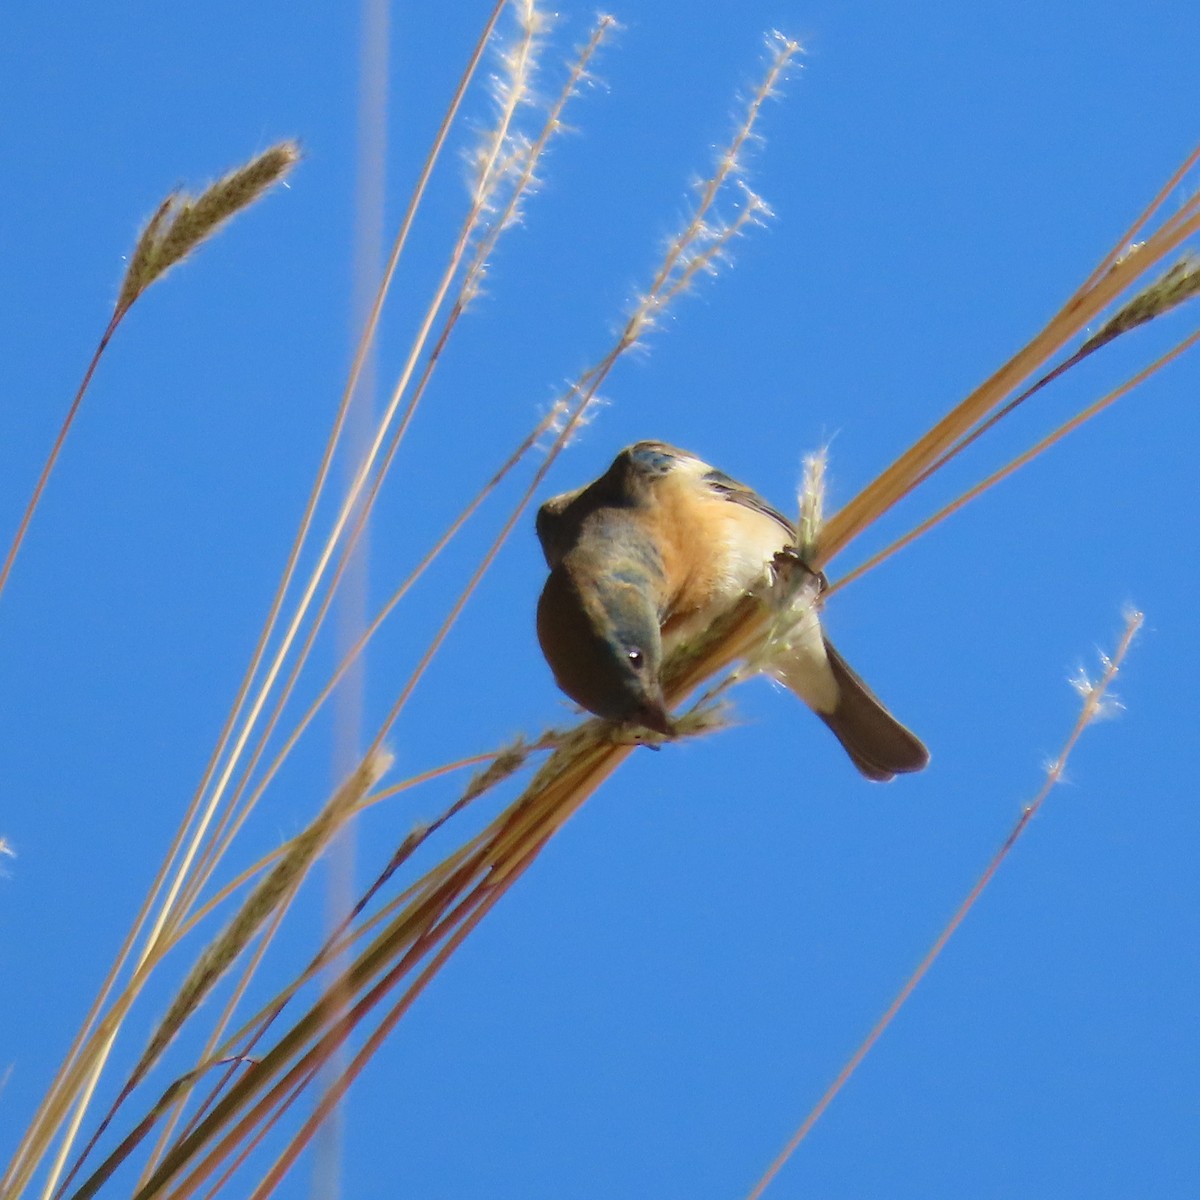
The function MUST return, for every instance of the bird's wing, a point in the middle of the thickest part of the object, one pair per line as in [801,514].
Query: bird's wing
[659,458]
[738,493]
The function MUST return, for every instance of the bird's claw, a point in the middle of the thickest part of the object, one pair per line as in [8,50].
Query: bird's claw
[791,568]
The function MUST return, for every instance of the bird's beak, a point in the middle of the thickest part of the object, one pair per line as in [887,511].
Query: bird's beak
[653,714]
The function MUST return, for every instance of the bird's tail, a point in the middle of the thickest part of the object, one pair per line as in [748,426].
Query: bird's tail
[878,744]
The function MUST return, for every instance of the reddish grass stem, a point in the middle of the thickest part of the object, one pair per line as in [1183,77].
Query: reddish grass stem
[55,450]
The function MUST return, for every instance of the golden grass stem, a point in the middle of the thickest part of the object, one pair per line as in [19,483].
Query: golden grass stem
[995,418]
[1102,287]
[1125,244]
[413,936]
[785,51]
[271,897]
[318,488]
[1179,284]
[352,504]
[274,889]
[243,1090]
[169,1103]
[1091,707]
[416,350]
[228,826]
[1021,460]
[172,233]
[490,894]
[33,1145]
[530,158]
[346,1077]
[236,1046]
[520,67]
[502,764]
[418,931]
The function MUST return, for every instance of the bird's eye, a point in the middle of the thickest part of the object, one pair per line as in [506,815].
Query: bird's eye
[636,657]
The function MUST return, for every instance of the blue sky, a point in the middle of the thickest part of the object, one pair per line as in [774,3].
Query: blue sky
[665,995]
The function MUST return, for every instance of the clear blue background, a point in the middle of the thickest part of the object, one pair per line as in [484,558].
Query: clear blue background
[657,1005]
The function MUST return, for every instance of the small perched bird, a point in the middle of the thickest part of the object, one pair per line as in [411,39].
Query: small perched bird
[645,557]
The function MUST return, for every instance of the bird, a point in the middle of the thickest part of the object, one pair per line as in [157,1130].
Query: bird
[644,558]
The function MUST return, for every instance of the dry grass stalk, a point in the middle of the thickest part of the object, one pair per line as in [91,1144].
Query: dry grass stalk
[1097,701]
[149,261]
[177,227]
[486,245]
[269,900]
[1020,461]
[443,909]
[1115,275]
[274,890]
[360,356]
[1175,287]
[501,766]
[195,223]
[182,222]
[516,754]
[93,1042]
[495,170]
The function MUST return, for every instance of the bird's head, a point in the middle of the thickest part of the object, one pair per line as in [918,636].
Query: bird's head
[603,644]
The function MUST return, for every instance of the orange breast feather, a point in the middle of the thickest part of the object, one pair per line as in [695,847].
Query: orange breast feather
[713,549]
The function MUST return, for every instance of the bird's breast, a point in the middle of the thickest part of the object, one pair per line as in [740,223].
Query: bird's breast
[713,552]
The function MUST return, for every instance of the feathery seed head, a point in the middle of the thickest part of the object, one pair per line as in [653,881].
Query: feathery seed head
[182,222]
[1174,287]
[812,500]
